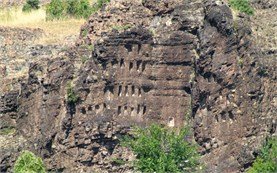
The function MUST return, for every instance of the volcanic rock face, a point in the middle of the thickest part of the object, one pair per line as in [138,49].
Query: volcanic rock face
[145,80]
[180,62]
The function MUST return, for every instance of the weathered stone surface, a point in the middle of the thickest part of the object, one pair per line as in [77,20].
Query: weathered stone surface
[179,60]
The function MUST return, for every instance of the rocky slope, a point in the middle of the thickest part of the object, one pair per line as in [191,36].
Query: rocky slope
[174,62]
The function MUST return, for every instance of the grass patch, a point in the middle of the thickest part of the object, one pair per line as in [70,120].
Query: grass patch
[84,59]
[118,161]
[27,162]
[55,31]
[84,33]
[242,6]
[267,159]
[87,47]
[7,131]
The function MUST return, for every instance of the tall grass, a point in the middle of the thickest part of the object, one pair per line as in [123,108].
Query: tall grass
[55,30]
[14,16]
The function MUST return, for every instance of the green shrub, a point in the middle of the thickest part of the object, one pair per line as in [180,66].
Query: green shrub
[7,131]
[31,5]
[58,9]
[79,8]
[84,32]
[84,59]
[55,9]
[159,149]
[118,162]
[27,8]
[27,162]
[242,6]
[72,97]
[267,159]
[72,7]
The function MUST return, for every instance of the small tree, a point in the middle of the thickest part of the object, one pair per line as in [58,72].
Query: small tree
[162,150]
[55,9]
[31,5]
[79,8]
[27,162]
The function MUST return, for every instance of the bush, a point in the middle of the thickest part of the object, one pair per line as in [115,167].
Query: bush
[58,9]
[72,98]
[7,130]
[161,150]
[31,5]
[79,8]
[55,9]
[242,6]
[27,162]
[267,159]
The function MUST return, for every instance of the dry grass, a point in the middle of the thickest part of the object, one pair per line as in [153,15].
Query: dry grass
[55,31]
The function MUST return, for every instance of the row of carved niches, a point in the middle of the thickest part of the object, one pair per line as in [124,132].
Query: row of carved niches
[124,90]
[124,110]
[125,65]
[138,110]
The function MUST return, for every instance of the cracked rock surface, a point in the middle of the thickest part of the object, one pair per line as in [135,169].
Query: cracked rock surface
[153,61]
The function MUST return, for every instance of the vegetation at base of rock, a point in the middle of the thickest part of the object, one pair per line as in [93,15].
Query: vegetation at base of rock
[87,47]
[242,6]
[90,47]
[84,59]
[263,71]
[159,149]
[7,131]
[240,62]
[72,97]
[27,162]
[118,161]
[58,9]
[31,5]
[84,33]
[267,159]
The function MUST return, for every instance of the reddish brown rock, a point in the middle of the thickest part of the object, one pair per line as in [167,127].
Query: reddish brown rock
[178,61]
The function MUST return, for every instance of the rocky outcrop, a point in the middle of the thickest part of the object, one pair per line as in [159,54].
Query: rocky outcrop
[233,105]
[177,62]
